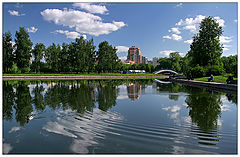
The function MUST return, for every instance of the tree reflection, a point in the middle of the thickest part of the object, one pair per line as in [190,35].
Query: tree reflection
[232,98]
[23,105]
[107,95]
[172,88]
[38,99]
[204,108]
[8,100]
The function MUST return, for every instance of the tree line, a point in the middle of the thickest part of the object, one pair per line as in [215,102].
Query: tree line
[79,56]
[204,57]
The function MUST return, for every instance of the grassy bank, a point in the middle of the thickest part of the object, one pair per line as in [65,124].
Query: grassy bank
[94,74]
[220,79]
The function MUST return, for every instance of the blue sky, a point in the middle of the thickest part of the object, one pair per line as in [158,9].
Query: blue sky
[156,28]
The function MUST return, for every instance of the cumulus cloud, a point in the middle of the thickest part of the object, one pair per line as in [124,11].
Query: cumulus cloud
[219,21]
[173,37]
[122,49]
[92,8]
[71,35]
[236,20]
[166,52]
[188,41]
[32,30]
[179,5]
[225,39]
[192,24]
[174,30]
[15,13]
[83,22]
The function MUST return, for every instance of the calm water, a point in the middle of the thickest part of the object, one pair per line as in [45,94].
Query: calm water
[116,116]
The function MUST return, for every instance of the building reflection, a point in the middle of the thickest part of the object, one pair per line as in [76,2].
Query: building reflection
[134,91]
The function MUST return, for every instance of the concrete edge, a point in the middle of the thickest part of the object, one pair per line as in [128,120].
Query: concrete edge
[213,85]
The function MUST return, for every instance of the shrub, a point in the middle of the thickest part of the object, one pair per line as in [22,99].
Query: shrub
[198,71]
[215,70]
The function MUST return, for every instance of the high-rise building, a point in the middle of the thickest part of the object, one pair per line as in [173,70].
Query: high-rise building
[144,59]
[155,61]
[134,55]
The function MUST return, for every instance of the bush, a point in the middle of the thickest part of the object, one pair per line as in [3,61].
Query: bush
[198,71]
[215,70]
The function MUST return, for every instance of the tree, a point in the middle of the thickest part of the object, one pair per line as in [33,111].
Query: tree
[52,57]
[23,50]
[8,57]
[175,59]
[230,64]
[206,49]
[107,57]
[37,53]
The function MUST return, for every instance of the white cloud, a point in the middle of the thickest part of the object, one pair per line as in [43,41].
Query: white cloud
[174,30]
[84,36]
[15,13]
[122,49]
[166,52]
[92,8]
[167,37]
[83,22]
[219,21]
[225,39]
[192,24]
[71,35]
[191,28]
[179,5]
[176,37]
[236,20]
[173,37]
[32,29]
[188,41]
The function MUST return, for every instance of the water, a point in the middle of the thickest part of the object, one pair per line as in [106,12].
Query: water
[117,117]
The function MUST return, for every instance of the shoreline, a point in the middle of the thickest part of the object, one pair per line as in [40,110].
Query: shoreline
[222,87]
[81,77]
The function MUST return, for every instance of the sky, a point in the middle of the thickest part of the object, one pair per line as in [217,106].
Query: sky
[156,28]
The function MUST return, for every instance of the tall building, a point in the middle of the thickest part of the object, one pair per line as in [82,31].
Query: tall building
[144,60]
[134,55]
[155,61]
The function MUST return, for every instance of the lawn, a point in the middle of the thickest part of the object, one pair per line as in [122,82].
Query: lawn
[94,74]
[220,79]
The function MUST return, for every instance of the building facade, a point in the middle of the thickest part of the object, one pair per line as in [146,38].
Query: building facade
[134,55]
[155,61]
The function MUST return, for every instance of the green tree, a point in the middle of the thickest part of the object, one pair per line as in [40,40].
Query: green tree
[65,62]
[52,57]
[206,49]
[175,59]
[230,64]
[107,57]
[23,47]
[37,53]
[8,57]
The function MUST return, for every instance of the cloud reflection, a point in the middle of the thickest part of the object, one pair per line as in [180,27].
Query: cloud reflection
[85,129]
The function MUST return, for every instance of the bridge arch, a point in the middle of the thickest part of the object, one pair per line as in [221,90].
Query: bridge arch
[164,70]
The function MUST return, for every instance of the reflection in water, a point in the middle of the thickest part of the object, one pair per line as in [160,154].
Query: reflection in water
[204,108]
[85,129]
[134,91]
[82,112]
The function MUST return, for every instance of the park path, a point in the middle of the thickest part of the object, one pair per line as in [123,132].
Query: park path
[82,77]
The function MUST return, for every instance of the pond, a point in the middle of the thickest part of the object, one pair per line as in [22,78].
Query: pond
[117,117]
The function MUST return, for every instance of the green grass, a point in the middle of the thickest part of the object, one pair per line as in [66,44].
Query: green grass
[94,74]
[220,79]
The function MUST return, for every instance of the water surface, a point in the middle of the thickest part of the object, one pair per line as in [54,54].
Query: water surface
[116,117]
